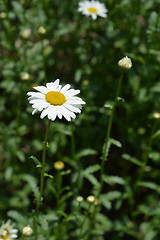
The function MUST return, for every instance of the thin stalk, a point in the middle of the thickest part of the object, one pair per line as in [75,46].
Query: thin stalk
[108,133]
[44,61]
[83,222]
[43,167]
[147,151]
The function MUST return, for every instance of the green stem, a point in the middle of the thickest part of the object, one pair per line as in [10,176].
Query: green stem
[147,151]
[44,61]
[108,133]
[83,222]
[43,168]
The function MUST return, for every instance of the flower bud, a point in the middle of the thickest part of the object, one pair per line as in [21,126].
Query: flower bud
[91,199]
[59,165]
[156,115]
[27,231]
[79,199]
[3,15]
[41,30]
[125,63]
[24,76]
[25,34]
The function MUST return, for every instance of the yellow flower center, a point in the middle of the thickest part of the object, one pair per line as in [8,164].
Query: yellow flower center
[4,236]
[55,98]
[92,10]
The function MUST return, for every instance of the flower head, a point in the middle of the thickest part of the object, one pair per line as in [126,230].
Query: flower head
[93,9]
[7,231]
[125,63]
[59,165]
[56,101]
[27,231]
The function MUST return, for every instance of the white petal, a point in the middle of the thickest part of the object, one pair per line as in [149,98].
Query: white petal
[35,95]
[52,113]
[45,112]
[72,108]
[59,112]
[41,89]
[65,88]
[72,92]
[34,111]
[75,102]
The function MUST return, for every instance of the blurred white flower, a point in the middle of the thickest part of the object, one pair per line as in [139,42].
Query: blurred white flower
[7,231]
[93,9]
[56,101]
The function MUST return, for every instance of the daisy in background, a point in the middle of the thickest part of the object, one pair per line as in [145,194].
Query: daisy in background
[93,9]
[56,101]
[7,231]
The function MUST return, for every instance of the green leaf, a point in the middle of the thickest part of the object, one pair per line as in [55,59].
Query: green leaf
[37,162]
[156,134]
[110,196]
[150,185]
[115,142]
[86,152]
[48,175]
[92,169]
[92,179]
[32,182]
[18,217]
[114,180]
[132,160]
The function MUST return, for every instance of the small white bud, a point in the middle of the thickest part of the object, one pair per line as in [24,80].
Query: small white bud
[25,34]
[59,165]
[27,231]
[156,115]
[3,15]
[41,30]
[91,199]
[79,199]
[24,76]
[125,63]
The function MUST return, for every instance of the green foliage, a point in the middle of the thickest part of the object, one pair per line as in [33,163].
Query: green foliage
[84,53]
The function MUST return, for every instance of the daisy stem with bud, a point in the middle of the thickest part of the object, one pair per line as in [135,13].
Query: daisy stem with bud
[43,167]
[105,146]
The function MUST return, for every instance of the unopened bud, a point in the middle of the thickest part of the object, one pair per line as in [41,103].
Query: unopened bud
[27,231]
[41,30]
[3,15]
[59,165]
[25,34]
[24,76]
[91,199]
[156,115]
[79,199]
[125,63]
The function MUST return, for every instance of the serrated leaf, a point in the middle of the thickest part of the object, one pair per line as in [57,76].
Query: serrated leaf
[121,99]
[37,162]
[65,197]
[115,142]
[150,185]
[48,175]
[110,196]
[92,169]
[92,179]
[32,182]
[132,160]
[156,134]
[17,217]
[113,180]
[86,152]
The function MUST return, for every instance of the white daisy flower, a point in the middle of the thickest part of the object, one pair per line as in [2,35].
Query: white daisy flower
[93,9]
[56,101]
[7,231]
